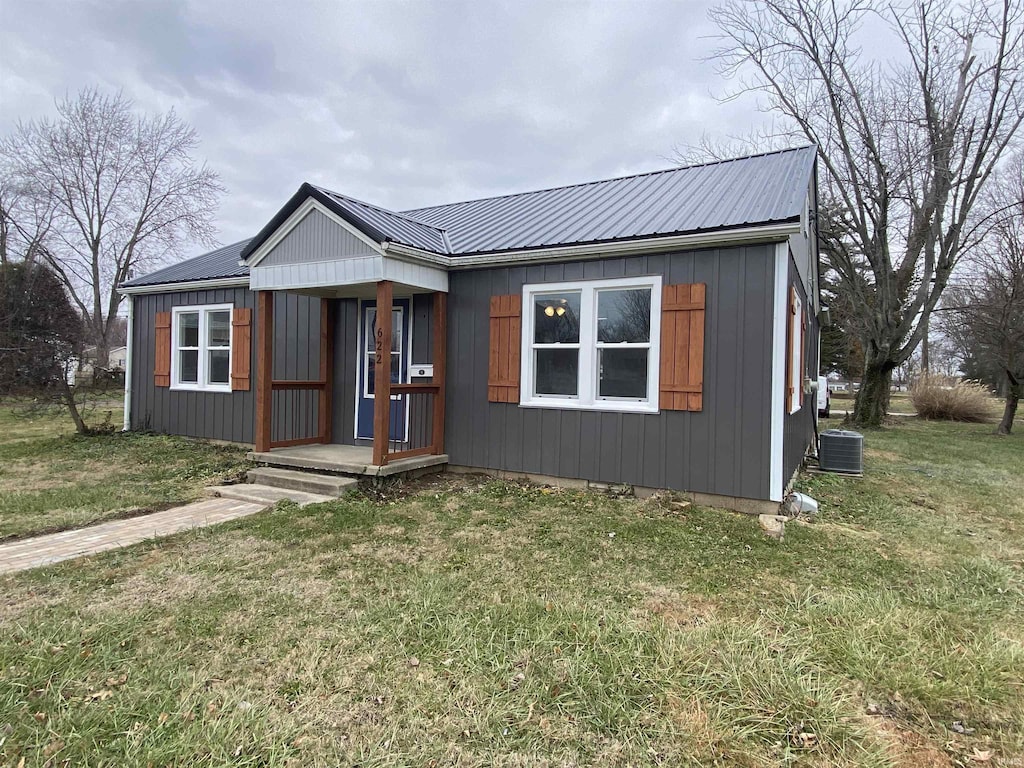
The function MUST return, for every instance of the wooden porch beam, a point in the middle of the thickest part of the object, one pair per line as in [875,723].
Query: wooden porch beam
[382,374]
[264,369]
[440,360]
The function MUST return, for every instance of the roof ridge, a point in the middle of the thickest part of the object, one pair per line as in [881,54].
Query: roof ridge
[382,209]
[601,181]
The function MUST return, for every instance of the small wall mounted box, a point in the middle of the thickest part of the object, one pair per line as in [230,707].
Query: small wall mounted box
[424,371]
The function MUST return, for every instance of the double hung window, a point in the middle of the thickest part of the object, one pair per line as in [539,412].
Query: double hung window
[201,348]
[592,344]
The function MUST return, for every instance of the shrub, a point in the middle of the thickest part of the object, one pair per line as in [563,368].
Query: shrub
[938,397]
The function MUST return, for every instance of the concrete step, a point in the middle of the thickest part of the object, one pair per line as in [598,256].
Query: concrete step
[310,482]
[265,494]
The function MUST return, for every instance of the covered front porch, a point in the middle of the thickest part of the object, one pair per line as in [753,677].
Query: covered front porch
[397,418]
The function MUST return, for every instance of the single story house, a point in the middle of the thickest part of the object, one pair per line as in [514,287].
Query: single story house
[657,330]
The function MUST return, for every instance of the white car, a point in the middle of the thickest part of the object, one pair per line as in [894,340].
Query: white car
[824,398]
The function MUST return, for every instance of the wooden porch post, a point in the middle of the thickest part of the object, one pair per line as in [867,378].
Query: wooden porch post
[382,374]
[326,369]
[440,359]
[264,369]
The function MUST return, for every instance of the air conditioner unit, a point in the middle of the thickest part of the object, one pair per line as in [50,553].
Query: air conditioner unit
[840,450]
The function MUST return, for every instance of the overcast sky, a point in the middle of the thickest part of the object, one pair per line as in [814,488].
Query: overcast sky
[402,104]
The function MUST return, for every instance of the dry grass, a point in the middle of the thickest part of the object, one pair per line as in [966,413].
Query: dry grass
[52,479]
[491,623]
[936,397]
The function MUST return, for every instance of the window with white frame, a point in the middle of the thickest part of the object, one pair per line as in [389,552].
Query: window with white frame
[201,348]
[592,344]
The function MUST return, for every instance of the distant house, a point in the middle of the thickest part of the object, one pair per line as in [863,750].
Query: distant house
[117,358]
[656,330]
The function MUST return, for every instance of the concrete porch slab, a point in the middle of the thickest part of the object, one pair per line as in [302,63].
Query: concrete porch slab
[344,459]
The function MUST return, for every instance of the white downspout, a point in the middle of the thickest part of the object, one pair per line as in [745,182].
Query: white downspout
[128,365]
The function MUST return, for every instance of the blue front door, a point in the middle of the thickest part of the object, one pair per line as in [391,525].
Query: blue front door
[400,348]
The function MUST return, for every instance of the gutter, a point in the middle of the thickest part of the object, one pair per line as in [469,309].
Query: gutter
[188,285]
[693,240]
[759,234]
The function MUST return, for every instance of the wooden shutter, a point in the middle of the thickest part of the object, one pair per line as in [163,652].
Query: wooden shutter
[682,347]
[162,360]
[506,340]
[241,348]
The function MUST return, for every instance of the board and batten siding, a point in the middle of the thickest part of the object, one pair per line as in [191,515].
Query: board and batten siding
[231,415]
[722,449]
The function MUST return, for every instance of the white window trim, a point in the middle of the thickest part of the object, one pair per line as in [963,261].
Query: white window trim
[796,377]
[587,399]
[204,348]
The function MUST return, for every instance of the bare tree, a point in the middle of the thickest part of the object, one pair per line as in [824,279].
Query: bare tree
[907,144]
[25,216]
[124,190]
[984,314]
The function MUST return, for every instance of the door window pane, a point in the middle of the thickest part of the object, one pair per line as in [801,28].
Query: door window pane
[624,316]
[188,368]
[218,326]
[188,330]
[396,370]
[556,318]
[557,372]
[396,329]
[622,373]
[220,361]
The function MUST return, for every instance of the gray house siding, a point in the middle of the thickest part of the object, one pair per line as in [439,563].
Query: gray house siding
[316,238]
[723,449]
[231,416]
[213,415]
[798,428]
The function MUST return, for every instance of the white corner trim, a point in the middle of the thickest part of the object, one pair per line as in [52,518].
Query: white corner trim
[307,207]
[780,308]
[190,285]
[128,366]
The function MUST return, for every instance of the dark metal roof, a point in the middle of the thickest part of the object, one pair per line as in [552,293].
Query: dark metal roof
[215,265]
[746,191]
[751,190]
[395,226]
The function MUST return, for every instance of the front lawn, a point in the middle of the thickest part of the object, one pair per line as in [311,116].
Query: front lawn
[485,623]
[51,479]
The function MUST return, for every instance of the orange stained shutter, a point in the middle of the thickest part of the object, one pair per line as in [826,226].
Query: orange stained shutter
[162,360]
[241,348]
[682,347]
[503,365]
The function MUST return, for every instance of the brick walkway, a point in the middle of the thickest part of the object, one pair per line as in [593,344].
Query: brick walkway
[54,547]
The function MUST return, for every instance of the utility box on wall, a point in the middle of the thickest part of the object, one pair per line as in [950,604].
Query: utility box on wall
[421,371]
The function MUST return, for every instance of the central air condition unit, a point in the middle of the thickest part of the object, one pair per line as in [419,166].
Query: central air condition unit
[840,450]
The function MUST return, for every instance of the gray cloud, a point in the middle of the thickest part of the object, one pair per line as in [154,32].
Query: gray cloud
[400,103]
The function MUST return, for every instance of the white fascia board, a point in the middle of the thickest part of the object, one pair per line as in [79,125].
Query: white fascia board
[780,308]
[308,206]
[693,240]
[188,285]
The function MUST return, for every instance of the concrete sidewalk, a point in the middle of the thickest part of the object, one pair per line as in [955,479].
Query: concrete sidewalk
[52,548]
